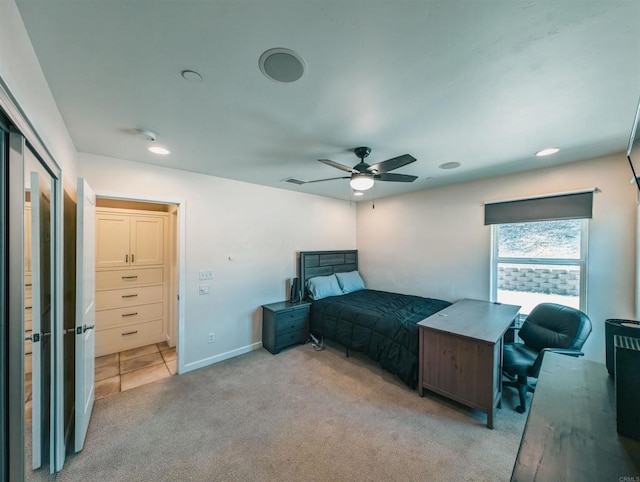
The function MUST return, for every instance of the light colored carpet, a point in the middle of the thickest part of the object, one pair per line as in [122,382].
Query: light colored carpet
[301,415]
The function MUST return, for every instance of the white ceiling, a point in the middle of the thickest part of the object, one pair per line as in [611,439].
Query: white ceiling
[484,83]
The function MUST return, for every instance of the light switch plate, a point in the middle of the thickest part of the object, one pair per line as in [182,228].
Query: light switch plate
[206,274]
[204,289]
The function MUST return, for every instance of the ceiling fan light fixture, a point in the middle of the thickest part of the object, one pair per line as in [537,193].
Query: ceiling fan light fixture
[361,182]
[358,193]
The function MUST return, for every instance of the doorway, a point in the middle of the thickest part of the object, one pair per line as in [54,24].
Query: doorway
[136,293]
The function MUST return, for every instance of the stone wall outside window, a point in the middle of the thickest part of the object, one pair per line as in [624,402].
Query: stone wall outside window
[557,281]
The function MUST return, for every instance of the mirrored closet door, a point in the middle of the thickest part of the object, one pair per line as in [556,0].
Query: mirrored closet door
[34,438]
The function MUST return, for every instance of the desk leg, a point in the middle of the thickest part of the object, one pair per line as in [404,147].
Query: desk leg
[490,417]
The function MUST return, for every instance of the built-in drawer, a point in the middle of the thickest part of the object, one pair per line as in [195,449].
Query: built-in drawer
[27,363]
[28,344]
[287,325]
[291,338]
[114,340]
[122,278]
[128,297]
[28,291]
[125,316]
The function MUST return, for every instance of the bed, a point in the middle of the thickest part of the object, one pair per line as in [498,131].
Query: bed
[380,324]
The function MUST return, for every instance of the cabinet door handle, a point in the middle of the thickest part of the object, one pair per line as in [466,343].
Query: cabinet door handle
[130,277]
[124,315]
[130,333]
[126,258]
[132,258]
[129,296]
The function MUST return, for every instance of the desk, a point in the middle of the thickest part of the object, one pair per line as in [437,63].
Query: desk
[571,430]
[461,353]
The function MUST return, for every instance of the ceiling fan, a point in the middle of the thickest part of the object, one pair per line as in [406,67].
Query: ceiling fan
[363,175]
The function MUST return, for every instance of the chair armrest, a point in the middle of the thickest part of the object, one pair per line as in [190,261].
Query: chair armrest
[535,368]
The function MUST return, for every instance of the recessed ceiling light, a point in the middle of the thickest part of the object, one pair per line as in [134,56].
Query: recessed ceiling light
[191,76]
[163,151]
[449,165]
[547,152]
[282,65]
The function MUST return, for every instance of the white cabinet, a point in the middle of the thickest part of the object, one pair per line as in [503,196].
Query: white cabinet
[129,240]
[131,279]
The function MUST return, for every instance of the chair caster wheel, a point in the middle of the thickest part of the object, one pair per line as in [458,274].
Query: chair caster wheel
[520,409]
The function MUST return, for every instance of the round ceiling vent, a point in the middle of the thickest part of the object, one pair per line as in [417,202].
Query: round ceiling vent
[282,65]
[449,165]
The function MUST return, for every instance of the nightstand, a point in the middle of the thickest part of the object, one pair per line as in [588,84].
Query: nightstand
[284,324]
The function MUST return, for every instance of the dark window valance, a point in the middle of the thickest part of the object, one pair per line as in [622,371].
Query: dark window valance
[563,206]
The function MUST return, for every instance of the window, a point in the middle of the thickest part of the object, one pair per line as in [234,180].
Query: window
[541,261]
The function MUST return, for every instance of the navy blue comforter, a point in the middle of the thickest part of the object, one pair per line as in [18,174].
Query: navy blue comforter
[379,324]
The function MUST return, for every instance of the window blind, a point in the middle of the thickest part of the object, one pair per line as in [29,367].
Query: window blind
[547,208]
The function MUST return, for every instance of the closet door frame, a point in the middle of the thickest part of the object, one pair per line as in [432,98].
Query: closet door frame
[4,298]
[23,136]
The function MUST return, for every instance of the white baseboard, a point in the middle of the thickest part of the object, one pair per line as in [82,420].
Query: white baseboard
[221,357]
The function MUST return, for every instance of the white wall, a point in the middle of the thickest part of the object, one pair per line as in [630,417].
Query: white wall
[434,243]
[21,72]
[248,234]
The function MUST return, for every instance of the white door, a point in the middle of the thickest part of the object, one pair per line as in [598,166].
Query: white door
[85,310]
[36,323]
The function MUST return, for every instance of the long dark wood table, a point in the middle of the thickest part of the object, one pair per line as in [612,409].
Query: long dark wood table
[461,353]
[571,430]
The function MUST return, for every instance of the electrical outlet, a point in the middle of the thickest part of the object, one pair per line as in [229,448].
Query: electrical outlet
[212,337]
[205,274]
[204,290]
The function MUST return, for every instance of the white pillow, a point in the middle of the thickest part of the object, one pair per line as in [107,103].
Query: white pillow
[323,286]
[350,282]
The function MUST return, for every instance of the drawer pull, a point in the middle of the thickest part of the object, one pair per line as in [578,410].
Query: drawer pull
[129,296]
[130,277]
[130,333]
[29,284]
[124,315]
[28,307]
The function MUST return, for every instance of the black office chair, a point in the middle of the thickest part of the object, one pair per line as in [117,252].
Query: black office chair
[549,327]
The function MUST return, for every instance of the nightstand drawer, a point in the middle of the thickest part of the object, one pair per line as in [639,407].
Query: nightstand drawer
[291,315]
[288,324]
[291,338]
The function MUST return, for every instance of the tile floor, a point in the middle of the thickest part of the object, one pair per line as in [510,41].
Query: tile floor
[123,371]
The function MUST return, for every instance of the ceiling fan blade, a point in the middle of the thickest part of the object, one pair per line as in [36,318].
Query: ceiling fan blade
[391,164]
[390,176]
[337,165]
[328,179]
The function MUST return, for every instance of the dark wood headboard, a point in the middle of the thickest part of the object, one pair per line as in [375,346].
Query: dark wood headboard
[324,263]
